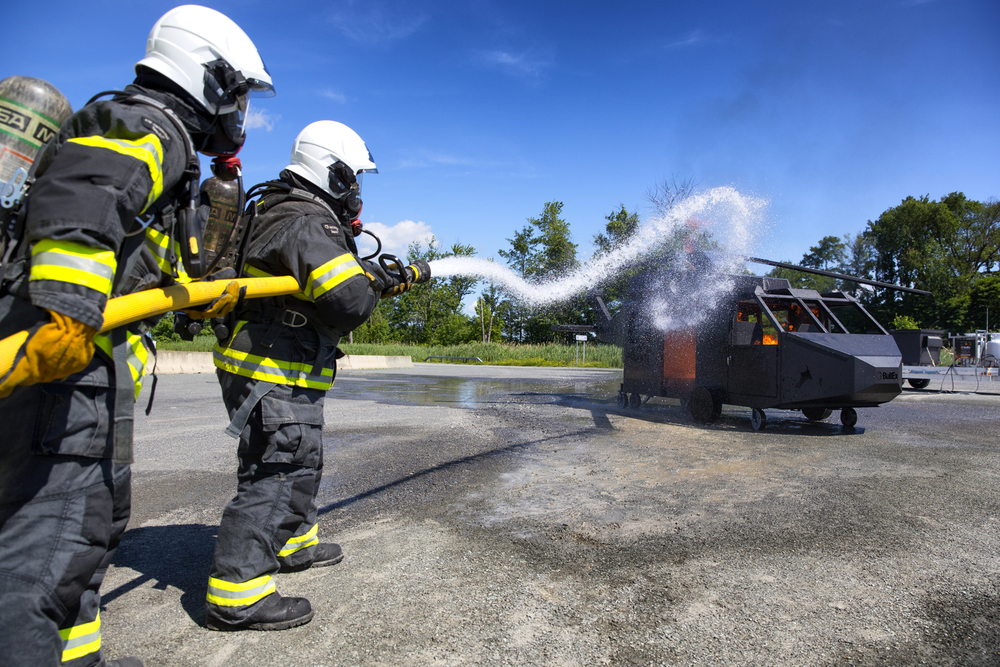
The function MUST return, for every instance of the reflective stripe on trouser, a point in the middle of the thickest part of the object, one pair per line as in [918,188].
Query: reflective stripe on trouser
[137,356]
[81,622]
[57,513]
[299,542]
[229,594]
[268,369]
[280,466]
[81,640]
[159,244]
[68,262]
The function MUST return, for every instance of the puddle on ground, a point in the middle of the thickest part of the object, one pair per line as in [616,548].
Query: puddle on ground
[463,392]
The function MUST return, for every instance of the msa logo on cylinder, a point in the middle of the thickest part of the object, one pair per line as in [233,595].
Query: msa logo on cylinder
[18,124]
[14,119]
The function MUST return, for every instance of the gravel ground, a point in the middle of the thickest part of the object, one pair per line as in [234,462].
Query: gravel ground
[496,516]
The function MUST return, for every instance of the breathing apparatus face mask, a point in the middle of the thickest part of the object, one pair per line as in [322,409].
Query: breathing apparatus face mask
[229,92]
[346,189]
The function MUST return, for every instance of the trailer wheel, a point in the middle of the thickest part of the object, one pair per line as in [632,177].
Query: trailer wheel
[758,419]
[848,417]
[634,401]
[919,383]
[816,414]
[622,400]
[705,405]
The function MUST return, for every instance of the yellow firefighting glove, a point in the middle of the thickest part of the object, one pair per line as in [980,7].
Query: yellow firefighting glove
[222,304]
[396,290]
[54,351]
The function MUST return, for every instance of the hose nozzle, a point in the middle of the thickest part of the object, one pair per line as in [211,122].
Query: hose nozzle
[414,273]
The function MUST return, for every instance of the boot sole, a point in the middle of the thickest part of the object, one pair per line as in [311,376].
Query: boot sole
[277,625]
[300,568]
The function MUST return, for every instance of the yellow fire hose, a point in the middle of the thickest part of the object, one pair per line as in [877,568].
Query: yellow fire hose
[140,305]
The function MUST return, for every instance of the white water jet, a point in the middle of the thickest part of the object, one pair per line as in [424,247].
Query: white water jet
[732,219]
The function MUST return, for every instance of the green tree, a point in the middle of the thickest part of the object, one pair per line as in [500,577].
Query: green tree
[489,312]
[415,316]
[944,246]
[542,250]
[984,303]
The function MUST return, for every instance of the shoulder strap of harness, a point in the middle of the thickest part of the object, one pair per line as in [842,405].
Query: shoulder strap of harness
[165,209]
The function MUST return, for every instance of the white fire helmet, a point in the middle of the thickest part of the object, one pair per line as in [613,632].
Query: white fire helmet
[208,55]
[321,146]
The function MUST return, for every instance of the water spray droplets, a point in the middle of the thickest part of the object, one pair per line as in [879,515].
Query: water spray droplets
[733,221]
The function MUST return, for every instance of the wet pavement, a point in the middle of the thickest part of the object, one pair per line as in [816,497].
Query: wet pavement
[503,515]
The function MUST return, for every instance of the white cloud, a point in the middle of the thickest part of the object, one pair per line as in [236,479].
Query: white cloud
[261,119]
[430,159]
[395,239]
[529,65]
[696,37]
[339,98]
[370,22]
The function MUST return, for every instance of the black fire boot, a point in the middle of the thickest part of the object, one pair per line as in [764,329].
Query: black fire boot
[124,662]
[325,553]
[273,612]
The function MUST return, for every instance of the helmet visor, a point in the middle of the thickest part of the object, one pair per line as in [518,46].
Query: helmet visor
[260,88]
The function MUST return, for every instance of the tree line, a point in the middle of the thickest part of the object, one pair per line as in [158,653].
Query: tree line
[949,247]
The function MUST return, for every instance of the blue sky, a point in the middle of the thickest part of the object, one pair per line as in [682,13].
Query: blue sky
[479,112]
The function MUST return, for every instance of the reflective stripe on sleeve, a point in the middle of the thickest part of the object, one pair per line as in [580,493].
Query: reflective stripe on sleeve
[301,542]
[68,262]
[228,594]
[331,274]
[158,243]
[147,150]
[81,640]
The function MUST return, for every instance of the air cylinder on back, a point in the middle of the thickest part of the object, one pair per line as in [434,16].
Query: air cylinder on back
[31,111]
[224,196]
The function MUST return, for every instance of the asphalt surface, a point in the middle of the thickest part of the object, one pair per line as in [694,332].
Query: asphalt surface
[516,516]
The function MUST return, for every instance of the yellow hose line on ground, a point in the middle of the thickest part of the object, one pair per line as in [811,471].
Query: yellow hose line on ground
[149,303]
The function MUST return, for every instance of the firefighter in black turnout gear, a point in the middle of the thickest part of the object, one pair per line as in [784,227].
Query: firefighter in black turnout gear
[275,371]
[104,218]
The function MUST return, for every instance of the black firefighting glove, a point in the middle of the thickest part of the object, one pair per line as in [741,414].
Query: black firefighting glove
[380,279]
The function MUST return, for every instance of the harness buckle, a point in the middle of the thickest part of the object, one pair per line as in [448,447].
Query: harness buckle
[296,320]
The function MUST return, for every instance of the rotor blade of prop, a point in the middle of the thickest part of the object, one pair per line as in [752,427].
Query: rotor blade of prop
[839,276]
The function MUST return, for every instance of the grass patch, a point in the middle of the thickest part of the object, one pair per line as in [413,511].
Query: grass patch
[499,354]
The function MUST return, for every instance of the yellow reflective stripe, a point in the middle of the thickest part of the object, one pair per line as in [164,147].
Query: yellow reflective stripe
[103,342]
[296,374]
[69,262]
[271,370]
[138,356]
[158,244]
[147,150]
[229,594]
[254,272]
[301,542]
[331,274]
[81,640]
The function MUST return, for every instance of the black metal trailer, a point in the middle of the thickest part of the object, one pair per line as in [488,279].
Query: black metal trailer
[764,345]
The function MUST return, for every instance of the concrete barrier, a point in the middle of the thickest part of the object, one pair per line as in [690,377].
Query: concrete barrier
[170,362]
